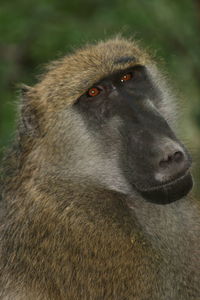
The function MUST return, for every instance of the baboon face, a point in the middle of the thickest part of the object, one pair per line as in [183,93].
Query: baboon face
[123,112]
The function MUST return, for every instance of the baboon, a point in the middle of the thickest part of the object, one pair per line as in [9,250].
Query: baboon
[95,185]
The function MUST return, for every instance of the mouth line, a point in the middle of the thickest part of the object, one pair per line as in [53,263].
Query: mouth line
[170,191]
[167,184]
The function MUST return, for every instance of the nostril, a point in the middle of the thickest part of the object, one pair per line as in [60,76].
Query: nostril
[175,157]
[178,156]
[163,163]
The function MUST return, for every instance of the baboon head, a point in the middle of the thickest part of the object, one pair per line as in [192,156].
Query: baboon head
[104,113]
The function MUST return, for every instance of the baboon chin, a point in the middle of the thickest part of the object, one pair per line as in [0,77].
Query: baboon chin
[95,154]
[171,191]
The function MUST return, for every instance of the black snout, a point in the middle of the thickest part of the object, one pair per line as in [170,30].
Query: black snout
[172,176]
[162,168]
[172,162]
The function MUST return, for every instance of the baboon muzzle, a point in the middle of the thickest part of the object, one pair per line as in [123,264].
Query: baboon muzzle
[159,162]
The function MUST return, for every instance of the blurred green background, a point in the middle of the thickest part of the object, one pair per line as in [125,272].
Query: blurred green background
[34,32]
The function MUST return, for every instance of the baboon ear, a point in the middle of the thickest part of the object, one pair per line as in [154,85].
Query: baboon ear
[28,112]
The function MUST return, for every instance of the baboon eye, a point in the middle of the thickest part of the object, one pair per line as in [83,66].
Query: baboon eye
[126,77]
[93,92]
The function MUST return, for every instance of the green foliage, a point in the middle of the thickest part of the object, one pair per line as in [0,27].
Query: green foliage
[34,32]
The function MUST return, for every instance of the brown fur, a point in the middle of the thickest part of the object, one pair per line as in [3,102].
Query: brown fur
[66,236]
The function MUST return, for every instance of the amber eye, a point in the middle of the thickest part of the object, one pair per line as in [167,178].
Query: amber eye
[93,91]
[126,77]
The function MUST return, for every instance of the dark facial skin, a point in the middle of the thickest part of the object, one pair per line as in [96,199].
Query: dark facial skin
[152,159]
